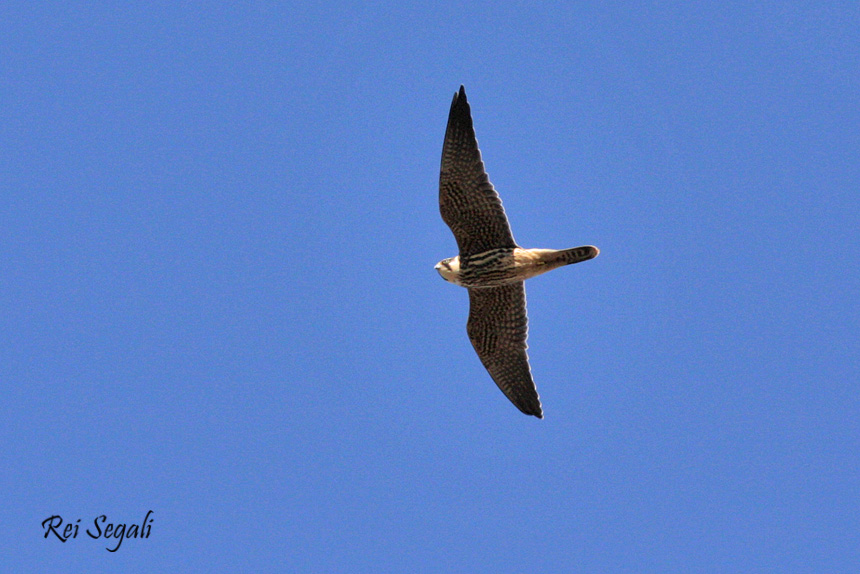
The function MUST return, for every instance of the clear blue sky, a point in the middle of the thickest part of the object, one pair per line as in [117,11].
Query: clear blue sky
[217,237]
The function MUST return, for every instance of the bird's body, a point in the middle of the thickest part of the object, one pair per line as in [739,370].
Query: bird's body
[490,263]
[505,265]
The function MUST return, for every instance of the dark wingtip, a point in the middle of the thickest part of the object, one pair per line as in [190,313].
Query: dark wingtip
[460,112]
[531,409]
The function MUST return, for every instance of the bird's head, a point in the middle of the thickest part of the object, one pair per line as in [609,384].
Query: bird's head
[449,269]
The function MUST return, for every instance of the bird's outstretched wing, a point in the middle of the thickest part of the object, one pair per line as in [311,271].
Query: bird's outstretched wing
[498,328]
[469,204]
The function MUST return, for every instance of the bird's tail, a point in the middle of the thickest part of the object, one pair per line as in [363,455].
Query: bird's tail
[577,254]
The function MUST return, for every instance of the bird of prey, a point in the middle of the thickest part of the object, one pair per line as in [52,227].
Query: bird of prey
[491,264]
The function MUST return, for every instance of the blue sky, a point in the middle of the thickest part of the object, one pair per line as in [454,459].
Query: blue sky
[217,239]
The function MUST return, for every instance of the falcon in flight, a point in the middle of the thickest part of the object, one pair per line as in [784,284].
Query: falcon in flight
[491,265]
